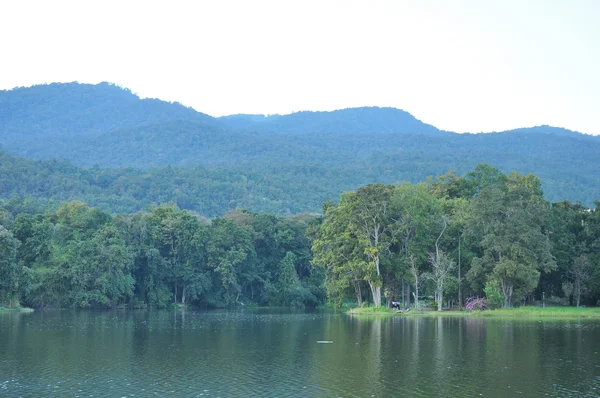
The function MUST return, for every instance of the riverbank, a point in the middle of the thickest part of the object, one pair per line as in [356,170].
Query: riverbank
[521,312]
[16,309]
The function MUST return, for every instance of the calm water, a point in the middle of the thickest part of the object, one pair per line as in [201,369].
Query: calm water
[209,354]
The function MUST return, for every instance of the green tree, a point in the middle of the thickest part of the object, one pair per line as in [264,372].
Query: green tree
[230,250]
[11,273]
[290,290]
[580,272]
[337,250]
[441,268]
[515,246]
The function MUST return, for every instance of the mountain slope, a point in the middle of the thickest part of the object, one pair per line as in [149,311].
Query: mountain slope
[282,164]
[70,110]
[351,120]
[545,129]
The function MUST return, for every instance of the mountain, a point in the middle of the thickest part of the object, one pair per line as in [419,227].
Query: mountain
[352,120]
[243,122]
[280,163]
[545,129]
[65,111]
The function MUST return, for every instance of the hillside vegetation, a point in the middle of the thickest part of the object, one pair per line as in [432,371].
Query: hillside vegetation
[452,238]
[150,151]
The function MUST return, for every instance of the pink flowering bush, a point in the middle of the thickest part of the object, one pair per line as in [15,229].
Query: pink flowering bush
[475,303]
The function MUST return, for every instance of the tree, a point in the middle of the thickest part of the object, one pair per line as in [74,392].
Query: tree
[416,214]
[10,271]
[337,250]
[580,272]
[229,251]
[441,268]
[567,288]
[370,223]
[417,276]
[356,235]
[515,248]
[290,290]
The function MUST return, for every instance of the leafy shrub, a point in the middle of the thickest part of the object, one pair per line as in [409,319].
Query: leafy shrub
[557,301]
[475,303]
[495,298]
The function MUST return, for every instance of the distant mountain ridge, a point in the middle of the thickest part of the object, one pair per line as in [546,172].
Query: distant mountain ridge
[69,109]
[351,120]
[111,127]
[72,108]
[545,129]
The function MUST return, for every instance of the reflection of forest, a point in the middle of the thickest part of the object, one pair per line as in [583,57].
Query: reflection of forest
[276,354]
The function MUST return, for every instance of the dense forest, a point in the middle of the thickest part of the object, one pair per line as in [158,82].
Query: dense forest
[434,243]
[279,164]
[485,234]
[82,257]
[110,200]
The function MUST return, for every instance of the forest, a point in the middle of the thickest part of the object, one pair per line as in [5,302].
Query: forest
[103,145]
[434,243]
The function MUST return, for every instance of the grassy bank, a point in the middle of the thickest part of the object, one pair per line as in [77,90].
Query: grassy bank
[17,309]
[372,311]
[521,312]
[546,312]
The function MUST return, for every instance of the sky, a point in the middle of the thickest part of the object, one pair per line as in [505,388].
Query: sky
[461,65]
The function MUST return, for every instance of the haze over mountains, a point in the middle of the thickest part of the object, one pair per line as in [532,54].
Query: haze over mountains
[284,164]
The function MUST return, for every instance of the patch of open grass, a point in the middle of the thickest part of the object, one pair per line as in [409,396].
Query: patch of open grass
[520,312]
[545,312]
[372,311]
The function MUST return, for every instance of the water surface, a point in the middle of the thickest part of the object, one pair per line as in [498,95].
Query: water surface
[267,354]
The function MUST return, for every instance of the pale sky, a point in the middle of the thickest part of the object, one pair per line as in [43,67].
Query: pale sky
[461,65]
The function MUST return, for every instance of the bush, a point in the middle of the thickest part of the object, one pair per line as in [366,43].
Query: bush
[557,301]
[495,298]
[475,304]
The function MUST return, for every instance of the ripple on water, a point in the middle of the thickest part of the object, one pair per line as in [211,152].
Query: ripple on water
[220,353]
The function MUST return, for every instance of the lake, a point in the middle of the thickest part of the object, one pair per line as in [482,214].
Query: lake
[278,354]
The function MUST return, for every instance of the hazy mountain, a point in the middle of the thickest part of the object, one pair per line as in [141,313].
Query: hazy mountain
[30,115]
[284,164]
[352,120]
[545,129]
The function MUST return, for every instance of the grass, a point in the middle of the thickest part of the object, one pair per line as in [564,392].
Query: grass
[18,309]
[521,312]
[545,312]
[372,311]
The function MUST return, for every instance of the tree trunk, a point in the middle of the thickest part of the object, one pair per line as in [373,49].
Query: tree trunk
[407,295]
[175,295]
[459,284]
[403,296]
[507,291]
[416,295]
[440,297]
[376,291]
[578,288]
[416,275]
[183,295]
[358,292]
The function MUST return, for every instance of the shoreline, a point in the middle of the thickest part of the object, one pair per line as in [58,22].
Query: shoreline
[511,313]
[17,309]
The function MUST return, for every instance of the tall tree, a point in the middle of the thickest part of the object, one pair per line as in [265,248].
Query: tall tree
[441,268]
[510,222]
[580,272]
[10,271]
[337,250]
[370,208]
